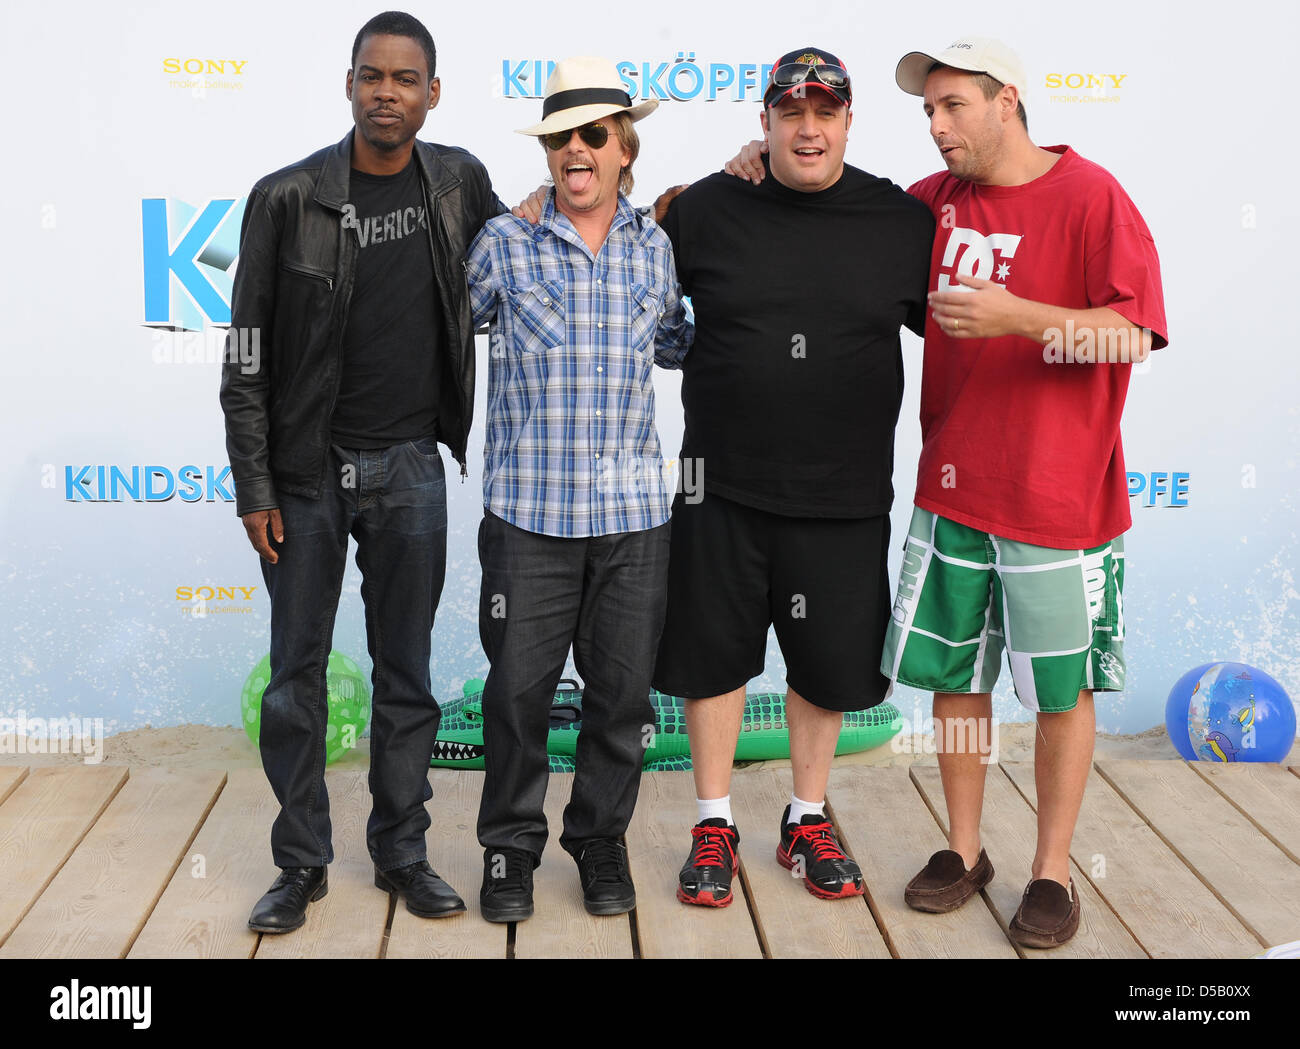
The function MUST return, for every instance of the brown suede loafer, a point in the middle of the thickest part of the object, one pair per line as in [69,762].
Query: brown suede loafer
[1048,915]
[945,883]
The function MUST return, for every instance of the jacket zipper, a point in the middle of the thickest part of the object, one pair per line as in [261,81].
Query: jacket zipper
[306,271]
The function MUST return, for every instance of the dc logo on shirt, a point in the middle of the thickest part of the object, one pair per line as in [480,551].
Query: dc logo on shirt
[978,259]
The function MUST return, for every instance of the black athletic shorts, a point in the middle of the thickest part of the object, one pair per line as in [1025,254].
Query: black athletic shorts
[822,582]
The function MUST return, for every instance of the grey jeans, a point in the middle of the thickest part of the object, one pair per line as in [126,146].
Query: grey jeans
[606,597]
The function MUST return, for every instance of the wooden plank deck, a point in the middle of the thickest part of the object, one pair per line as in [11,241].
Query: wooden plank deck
[203,912]
[1009,831]
[1245,871]
[10,777]
[1148,885]
[885,825]
[41,822]
[99,901]
[1170,861]
[1265,795]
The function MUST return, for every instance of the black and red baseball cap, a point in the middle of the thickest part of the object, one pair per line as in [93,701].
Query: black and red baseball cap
[806,67]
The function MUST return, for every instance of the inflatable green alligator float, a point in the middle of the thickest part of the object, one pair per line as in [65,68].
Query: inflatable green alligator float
[763,732]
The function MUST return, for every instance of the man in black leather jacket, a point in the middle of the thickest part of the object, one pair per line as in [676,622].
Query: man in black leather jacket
[351,355]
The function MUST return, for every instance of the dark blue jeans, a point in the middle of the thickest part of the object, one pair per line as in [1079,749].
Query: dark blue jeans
[605,596]
[393,501]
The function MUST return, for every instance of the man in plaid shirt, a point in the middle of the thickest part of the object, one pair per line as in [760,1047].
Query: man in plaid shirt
[574,539]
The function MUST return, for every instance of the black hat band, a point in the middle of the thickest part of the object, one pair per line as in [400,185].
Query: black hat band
[584,96]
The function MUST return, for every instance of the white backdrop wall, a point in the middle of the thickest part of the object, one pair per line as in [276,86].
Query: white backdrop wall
[114,149]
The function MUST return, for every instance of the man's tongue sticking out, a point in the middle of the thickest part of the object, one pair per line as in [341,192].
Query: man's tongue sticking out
[577,177]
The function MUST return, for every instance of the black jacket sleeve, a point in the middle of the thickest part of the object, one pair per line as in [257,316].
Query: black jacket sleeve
[245,369]
[492,206]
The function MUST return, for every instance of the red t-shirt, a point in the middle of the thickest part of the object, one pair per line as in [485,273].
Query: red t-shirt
[1012,444]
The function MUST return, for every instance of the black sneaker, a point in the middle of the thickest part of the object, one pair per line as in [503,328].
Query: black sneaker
[507,892]
[809,847]
[706,877]
[606,881]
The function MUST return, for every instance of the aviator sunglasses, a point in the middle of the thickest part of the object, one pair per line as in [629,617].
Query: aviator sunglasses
[594,135]
[794,73]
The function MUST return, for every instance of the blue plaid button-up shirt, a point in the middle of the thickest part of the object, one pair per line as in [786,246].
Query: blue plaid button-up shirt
[571,447]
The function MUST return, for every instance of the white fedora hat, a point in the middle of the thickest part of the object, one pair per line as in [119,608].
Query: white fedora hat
[582,90]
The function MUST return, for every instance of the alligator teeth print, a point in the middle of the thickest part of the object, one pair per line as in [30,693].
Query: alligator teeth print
[445,750]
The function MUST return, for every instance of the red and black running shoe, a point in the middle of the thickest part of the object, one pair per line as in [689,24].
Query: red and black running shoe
[706,877]
[810,849]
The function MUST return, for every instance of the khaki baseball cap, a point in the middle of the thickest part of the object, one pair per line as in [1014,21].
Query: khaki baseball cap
[974,54]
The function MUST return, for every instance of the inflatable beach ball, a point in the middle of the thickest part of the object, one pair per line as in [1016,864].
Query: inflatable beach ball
[349,703]
[1230,712]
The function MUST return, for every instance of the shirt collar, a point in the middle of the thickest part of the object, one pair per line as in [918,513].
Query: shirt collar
[557,223]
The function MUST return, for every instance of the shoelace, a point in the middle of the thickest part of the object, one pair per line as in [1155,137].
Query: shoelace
[709,842]
[518,869]
[606,858]
[819,838]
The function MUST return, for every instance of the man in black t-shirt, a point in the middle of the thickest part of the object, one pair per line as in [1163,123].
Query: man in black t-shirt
[388,394]
[351,281]
[791,393]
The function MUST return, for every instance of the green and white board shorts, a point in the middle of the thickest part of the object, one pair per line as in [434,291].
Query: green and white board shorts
[965,595]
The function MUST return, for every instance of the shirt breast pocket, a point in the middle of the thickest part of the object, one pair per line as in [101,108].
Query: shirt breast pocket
[538,311]
[645,306]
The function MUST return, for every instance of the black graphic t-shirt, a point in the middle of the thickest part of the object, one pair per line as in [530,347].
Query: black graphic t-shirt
[393,346]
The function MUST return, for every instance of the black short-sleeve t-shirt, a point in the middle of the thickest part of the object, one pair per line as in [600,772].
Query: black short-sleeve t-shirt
[793,386]
[393,343]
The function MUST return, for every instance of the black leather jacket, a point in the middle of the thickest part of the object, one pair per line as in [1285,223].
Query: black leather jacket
[293,284]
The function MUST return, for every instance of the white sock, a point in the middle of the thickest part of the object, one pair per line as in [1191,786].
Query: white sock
[715,809]
[800,808]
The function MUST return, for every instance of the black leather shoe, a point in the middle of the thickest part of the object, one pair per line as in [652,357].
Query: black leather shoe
[507,892]
[426,895]
[284,907]
[606,882]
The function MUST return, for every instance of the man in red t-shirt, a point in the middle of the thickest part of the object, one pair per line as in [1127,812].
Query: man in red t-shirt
[1045,287]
